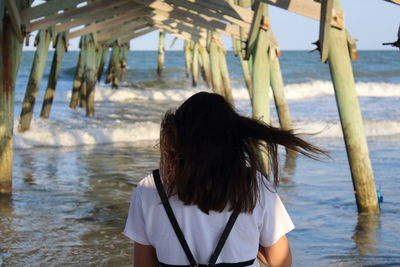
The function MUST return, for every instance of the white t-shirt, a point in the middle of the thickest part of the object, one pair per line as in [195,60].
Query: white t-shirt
[148,224]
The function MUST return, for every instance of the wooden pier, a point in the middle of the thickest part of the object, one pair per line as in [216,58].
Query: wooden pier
[107,26]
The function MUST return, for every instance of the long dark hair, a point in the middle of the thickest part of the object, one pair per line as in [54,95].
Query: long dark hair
[210,154]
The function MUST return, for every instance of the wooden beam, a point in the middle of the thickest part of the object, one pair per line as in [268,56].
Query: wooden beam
[123,29]
[127,38]
[208,12]
[308,9]
[126,16]
[226,8]
[324,28]
[255,27]
[181,34]
[180,27]
[47,9]
[184,35]
[222,7]
[96,15]
[185,16]
[73,13]
[15,18]
[122,26]
[165,18]
[394,1]
[196,33]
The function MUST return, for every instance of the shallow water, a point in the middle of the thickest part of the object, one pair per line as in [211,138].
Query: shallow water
[73,176]
[69,207]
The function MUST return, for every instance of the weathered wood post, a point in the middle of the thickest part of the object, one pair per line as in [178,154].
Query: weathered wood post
[217,85]
[10,52]
[240,47]
[261,76]
[188,57]
[195,64]
[60,45]
[77,84]
[114,66]
[99,56]
[42,42]
[278,88]
[205,60]
[261,73]
[124,60]
[226,82]
[246,74]
[161,53]
[104,55]
[351,121]
[83,87]
[201,63]
[90,73]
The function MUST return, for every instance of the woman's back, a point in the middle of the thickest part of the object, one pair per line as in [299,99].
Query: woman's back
[150,226]
[210,162]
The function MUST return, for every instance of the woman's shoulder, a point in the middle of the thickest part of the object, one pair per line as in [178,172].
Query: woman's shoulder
[146,185]
[267,190]
[147,181]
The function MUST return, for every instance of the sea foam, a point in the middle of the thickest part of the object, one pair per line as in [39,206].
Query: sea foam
[49,134]
[296,91]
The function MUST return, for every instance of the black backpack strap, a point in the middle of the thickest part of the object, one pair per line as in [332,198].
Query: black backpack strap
[224,236]
[172,218]
[181,238]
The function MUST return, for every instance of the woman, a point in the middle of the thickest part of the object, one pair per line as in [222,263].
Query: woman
[209,168]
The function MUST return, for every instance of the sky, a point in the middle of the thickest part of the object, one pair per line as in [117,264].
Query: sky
[371,22]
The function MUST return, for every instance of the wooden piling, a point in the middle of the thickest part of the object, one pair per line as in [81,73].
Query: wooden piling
[217,85]
[260,78]
[90,74]
[77,84]
[10,52]
[351,121]
[201,64]
[188,57]
[99,56]
[261,81]
[82,92]
[195,64]
[205,59]
[83,87]
[240,46]
[42,42]
[114,66]
[161,53]
[60,47]
[246,74]
[277,85]
[104,55]
[278,90]
[226,82]
[124,60]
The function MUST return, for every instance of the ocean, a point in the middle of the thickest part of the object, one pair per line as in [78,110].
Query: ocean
[73,175]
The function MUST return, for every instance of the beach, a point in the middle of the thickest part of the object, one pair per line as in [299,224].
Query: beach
[74,175]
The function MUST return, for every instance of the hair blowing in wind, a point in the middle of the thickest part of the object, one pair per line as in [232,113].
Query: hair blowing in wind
[210,155]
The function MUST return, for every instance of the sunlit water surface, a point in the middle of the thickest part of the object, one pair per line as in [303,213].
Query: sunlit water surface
[73,176]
